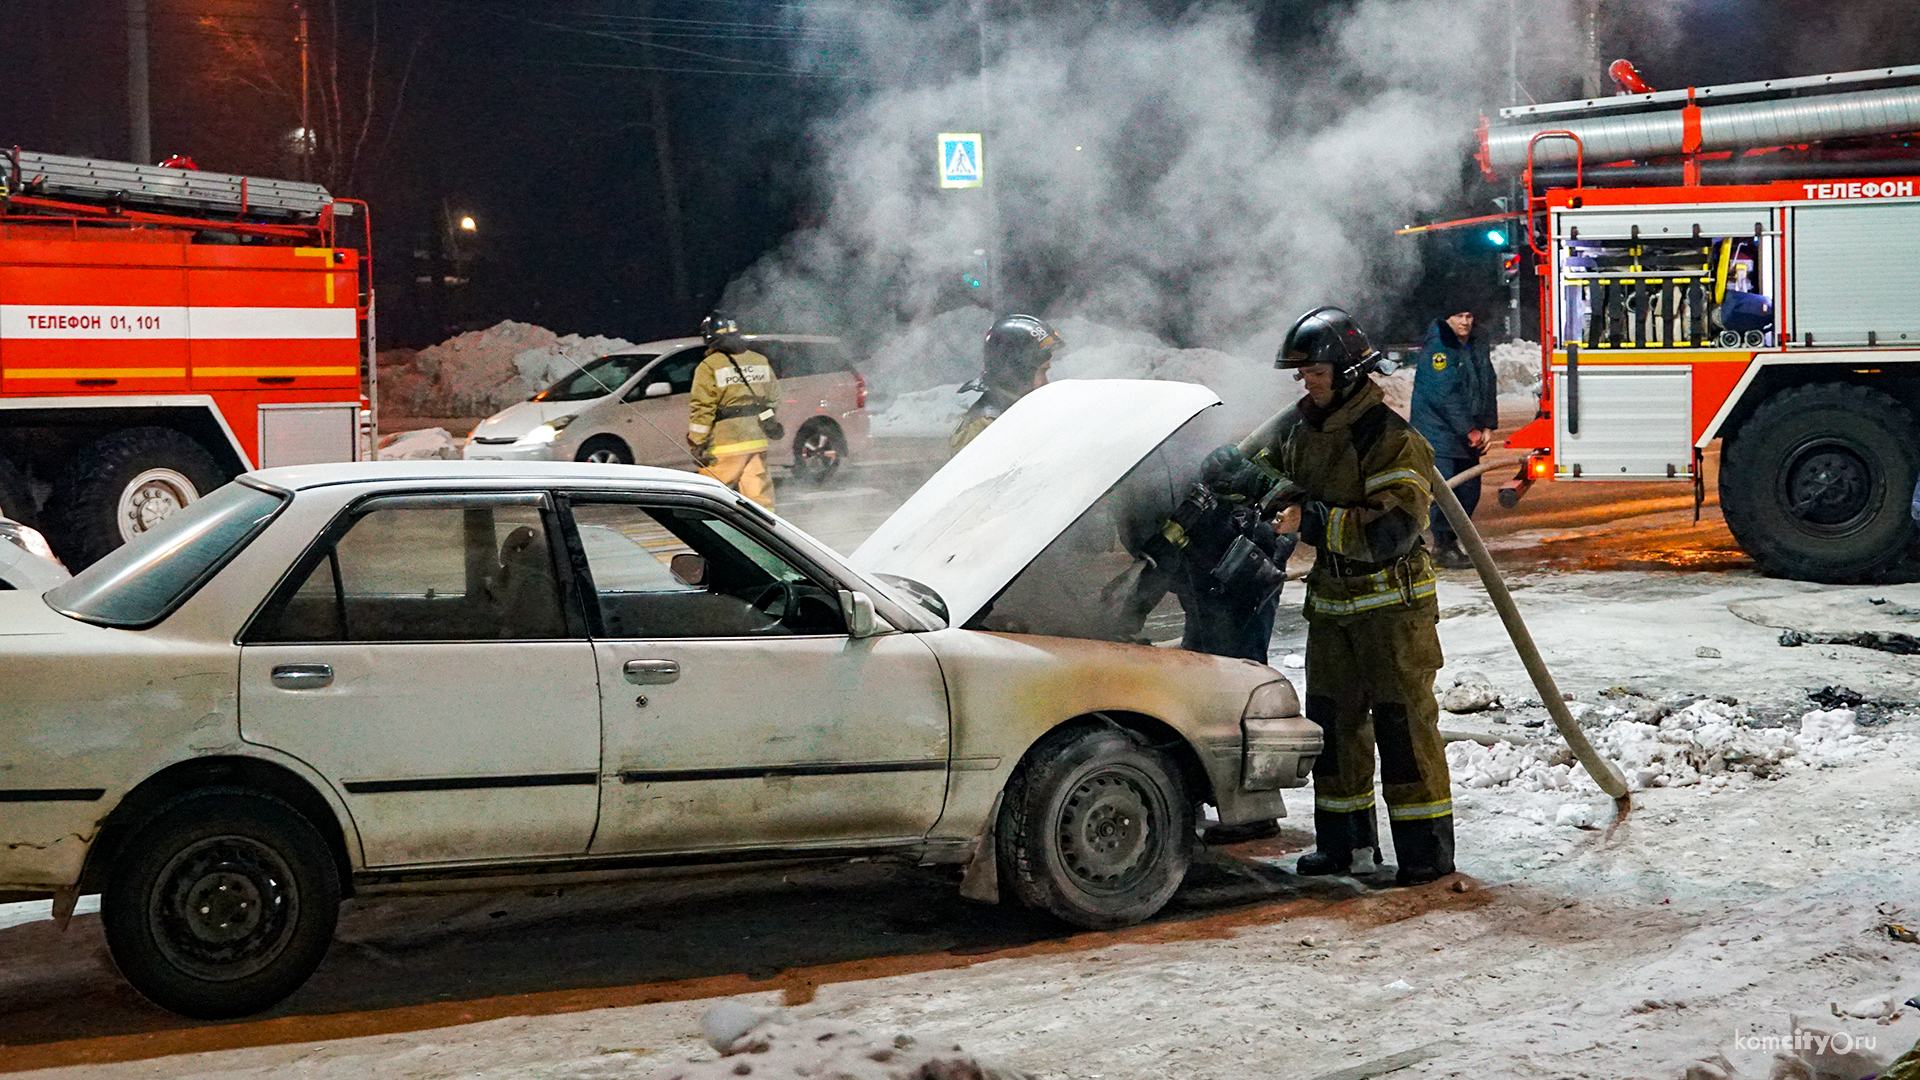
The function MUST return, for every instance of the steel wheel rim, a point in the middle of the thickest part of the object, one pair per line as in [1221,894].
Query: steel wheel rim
[603,456]
[1111,829]
[224,908]
[1827,486]
[151,498]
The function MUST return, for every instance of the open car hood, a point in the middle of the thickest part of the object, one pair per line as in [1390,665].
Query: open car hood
[978,522]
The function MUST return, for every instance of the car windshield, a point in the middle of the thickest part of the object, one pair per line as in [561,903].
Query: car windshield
[597,379]
[146,579]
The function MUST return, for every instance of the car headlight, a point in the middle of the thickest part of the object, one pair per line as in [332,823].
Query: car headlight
[546,432]
[1274,699]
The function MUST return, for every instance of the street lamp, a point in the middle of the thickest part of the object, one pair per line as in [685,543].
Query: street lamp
[467,225]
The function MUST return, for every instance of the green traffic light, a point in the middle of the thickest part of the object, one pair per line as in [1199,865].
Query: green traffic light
[1497,237]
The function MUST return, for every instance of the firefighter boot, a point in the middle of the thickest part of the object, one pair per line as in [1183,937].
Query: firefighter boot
[1424,848]
[1338,835]
[1221,835]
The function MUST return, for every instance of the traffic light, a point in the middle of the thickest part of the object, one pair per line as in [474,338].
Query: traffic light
[1497,237]
[1510,265]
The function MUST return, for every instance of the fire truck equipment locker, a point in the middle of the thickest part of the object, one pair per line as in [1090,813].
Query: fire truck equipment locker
[1856,272]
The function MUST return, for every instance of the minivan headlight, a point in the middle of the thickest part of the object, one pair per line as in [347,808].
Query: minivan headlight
[546,432]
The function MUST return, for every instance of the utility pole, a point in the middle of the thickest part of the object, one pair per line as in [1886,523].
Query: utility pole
[1516,198]
[141,130]
[996,287]
[1592,78]
[306,141]
[681,283]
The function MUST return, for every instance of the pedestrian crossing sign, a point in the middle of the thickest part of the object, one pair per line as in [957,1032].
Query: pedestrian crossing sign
[959,160]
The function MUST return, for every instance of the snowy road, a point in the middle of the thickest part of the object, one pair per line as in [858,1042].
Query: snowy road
[1750,885]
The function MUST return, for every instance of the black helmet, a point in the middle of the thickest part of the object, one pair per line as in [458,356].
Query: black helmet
[1327,335]
[1018,346]
[720,332]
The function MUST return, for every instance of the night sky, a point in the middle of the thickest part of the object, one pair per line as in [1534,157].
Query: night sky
[536,120]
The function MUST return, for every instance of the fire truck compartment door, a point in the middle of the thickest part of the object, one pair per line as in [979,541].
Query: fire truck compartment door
[307,434]
[1855,272]
[1636,423]
[1661,224]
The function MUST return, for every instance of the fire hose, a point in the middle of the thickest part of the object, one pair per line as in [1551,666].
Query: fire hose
[1604,772]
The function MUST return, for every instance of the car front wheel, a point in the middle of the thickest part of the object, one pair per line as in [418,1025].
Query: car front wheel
[1095,828]
[221,906]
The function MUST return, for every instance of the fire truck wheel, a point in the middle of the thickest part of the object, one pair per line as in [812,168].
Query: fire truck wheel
[1815,485]
[604,450]
[16,497]
[123,484]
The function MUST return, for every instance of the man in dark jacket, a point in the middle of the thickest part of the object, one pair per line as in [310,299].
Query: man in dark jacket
[1455,408]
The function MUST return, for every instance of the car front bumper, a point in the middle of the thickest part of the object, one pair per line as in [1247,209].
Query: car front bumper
[1272,754]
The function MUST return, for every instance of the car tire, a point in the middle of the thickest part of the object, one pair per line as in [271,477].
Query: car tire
[267,894]
[16,495]
[1816,484]
[819,449]
[604,450]
[122,484]
[1095,828]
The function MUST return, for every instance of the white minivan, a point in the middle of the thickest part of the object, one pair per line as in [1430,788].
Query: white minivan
[631,408]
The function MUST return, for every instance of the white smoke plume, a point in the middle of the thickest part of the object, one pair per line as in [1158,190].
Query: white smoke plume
[1172,175]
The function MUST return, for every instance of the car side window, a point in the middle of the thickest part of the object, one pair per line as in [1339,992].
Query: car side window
[676,371]
[426,569]
[680,572]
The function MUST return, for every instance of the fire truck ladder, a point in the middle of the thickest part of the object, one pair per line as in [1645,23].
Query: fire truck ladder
[157,188]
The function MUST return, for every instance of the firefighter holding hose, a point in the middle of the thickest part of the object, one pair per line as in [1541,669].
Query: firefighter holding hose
[731,416]
[1362,497]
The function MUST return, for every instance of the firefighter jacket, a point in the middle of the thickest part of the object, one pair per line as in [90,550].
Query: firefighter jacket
[730,393]
[1454,391]
[1364,471]
[993,401]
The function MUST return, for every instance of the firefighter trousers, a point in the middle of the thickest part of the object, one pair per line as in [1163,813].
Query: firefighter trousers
[744,473]
[1370,681]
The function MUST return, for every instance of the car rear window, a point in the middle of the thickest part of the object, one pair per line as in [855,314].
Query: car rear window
[793,359]
[144,580]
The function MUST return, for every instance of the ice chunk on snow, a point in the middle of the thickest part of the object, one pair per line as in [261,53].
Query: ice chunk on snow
[425,444]
[1578,815]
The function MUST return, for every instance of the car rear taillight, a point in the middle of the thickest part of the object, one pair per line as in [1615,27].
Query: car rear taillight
[859,390]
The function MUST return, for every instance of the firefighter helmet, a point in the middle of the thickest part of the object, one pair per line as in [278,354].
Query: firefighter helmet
[1017,347]
[720,332]
[1327,335]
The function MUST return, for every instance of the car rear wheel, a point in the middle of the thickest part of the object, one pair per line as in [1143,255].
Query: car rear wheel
[221,906]
[604,450]
[125,483]
[819,448]
[1095,828]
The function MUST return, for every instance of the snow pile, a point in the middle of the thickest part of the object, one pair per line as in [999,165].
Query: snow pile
[753,1042]
[923,414]
[1517,363]
[944,348]
[482,371]
[1709,743]
[425,444]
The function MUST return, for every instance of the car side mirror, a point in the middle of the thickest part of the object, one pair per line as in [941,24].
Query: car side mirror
[857,608]
[658,389]
[688,569]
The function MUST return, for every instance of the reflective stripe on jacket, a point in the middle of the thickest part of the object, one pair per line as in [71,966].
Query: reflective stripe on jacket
[723,412]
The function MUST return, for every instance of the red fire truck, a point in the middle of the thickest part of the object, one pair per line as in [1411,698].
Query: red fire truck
[163,329]
[1738,263]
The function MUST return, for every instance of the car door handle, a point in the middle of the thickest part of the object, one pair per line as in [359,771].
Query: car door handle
[652,672]
[302,676]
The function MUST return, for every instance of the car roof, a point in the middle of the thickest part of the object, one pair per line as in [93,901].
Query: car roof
[440,471]
[666,345]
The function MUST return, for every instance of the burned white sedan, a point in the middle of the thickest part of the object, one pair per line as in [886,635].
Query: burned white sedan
[333,680]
